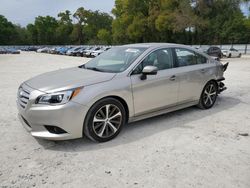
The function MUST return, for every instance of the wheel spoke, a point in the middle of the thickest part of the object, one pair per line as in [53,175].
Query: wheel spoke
[102,130]
[116,115]
[98,120]
[211,101]
[214,93]
[112,127]
[107,110]
[206,100]
[211,87]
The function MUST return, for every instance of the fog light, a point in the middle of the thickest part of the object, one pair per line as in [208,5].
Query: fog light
[55,129]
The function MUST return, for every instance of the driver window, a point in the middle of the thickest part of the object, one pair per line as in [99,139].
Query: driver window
[162,59]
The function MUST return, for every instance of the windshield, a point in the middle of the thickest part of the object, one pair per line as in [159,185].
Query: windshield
[115,60]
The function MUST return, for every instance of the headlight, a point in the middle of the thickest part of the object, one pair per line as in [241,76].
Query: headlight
[58,98]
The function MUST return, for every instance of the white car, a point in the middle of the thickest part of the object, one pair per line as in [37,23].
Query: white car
[43,50]
[231,53]
[98,52]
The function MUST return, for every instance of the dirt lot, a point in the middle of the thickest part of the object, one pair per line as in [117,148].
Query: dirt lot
[187,148]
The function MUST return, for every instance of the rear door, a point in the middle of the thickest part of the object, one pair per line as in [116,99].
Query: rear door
[193,71]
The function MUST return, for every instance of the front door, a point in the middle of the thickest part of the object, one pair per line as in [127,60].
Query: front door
[157,91]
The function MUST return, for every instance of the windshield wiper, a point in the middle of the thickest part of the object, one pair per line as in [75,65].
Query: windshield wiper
[94,69]
[82,66]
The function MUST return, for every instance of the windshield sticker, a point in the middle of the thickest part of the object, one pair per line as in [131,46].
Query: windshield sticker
[132,50]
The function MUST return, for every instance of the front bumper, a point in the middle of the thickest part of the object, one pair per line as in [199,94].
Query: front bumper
[40,120]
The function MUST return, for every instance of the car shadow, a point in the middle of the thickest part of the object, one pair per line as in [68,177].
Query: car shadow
[133,132]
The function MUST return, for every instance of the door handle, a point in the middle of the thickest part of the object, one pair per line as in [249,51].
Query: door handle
[172,78]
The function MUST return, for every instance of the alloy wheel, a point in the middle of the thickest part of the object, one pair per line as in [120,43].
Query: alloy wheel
[107,121]
[210,94]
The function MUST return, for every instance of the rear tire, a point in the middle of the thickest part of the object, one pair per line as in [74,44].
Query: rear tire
[104,120]
[239,56]
[209,95]
[230,55]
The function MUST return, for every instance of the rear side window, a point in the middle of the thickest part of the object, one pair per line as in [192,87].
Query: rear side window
[201,59]
[185,57]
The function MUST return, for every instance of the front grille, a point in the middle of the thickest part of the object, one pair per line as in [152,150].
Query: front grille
[23,97]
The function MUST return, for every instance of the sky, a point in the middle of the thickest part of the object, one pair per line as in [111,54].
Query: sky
[245,8]
[24,12]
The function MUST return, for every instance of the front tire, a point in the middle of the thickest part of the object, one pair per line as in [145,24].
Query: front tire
[104,120]
[209,95]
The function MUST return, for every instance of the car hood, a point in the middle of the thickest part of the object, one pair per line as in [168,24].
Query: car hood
[67,79]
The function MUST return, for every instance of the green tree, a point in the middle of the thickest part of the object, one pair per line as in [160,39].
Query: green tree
[130,24]
[96,21]
[81,15]
[32,34]
[104,37]
[8,33]
[45,29]
[65,28]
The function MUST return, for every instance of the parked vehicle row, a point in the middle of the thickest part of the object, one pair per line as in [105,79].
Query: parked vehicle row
[9,51]
[94,51]
[215,51]
[80,51]
[30,48]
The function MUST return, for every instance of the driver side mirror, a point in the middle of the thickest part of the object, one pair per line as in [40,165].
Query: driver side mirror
[148,70]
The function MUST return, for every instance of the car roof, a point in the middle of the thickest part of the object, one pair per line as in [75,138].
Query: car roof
[152,45]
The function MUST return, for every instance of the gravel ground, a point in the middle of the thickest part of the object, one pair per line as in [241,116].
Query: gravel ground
[187,148]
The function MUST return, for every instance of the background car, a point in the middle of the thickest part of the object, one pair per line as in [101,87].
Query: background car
[43,50]
[12,51]
[3,51]
[87,51]
[77,51]
[63,50]
[71,51]
[29,48]
[214,51]
[231,53]
[100,51]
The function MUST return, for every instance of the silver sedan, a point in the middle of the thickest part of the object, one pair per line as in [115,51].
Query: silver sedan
[125,84]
